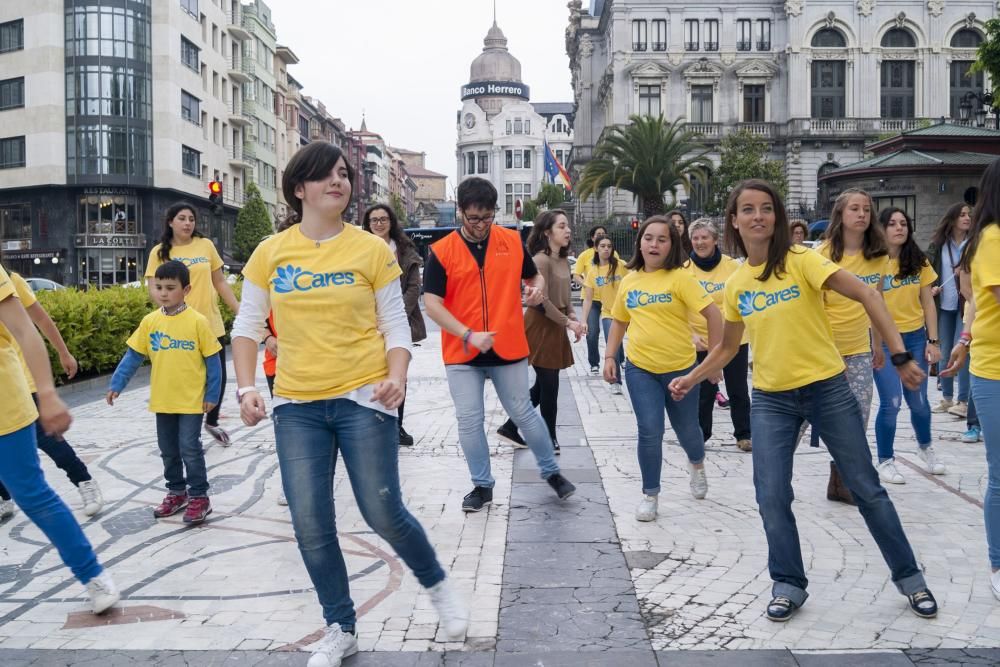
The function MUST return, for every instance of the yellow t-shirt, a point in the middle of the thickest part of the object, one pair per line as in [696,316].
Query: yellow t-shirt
[323,299]
[714,283]
[848,318]
[655,306]
[176,346]
[789,332]
[605,286]
[585,263]
[201,258]
[27,297]
[986,328]
[18,408]
[903,296]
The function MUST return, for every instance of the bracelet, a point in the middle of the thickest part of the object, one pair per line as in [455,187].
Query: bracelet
[465,340]
[965,335]
[965,341]
[243,391]
[933,341]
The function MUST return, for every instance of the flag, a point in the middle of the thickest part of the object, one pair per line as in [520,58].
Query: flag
[556,172]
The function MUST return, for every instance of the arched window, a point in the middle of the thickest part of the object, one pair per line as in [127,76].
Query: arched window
[962,80]
[966,39]
[899,38]
[828,37]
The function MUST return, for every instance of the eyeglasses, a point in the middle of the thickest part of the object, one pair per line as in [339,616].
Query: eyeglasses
[379,221]
[476,220]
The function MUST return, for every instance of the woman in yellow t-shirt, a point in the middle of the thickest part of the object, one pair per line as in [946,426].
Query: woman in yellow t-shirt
[341,374]
[182,241]
[855,242]
[907,287]
[981,258]
[798,375]
[584,263]
[654,303]
[711,268]
[600,286]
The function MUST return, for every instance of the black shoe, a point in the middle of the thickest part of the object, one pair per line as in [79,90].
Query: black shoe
[923,604]
[477,499]
[562,486]
[509,431]
[780,609]
[405,439]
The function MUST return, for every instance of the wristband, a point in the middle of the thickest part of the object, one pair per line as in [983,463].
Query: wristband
[933,341]
[465,340]
[901,358]
[243,391]
[965,341]
[965,335]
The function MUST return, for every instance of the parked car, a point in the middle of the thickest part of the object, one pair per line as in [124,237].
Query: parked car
[41,284]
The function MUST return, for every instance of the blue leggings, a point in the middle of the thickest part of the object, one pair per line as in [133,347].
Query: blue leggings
[21,473]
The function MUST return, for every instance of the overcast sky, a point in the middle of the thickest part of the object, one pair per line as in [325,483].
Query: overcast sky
[402,62]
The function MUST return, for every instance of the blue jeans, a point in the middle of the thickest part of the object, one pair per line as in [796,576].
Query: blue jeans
[620,357]
[510,381]
[987,395]
[650,397]
[594,334]
[891,393]
[179,437]
[21,473]
[776,418]
[949,330]
[309,437]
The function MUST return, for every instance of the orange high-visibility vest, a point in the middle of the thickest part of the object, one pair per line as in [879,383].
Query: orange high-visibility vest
[487,299]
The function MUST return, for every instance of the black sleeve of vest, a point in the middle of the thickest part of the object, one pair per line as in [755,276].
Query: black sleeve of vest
[435,278]
[528,268]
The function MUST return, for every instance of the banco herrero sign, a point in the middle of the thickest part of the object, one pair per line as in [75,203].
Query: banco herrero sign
[494,89]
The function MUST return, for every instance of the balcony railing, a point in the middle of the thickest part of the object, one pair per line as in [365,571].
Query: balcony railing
[690,46]
[638,46]
[764,45]
[659,46]
[744,45]
[901,124]
[708,130]
[711,46]
[765,130]
[232,195]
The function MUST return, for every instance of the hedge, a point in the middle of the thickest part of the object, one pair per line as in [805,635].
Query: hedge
[95,324]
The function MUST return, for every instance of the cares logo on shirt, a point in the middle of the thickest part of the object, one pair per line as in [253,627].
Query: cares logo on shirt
[751,302]
[711,287]
[296,279]
[190,261]
[606,280]
[637,298]
[893,282]
[870,279]
[160,342]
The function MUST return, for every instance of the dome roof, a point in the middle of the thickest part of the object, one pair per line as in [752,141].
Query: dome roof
[495,63]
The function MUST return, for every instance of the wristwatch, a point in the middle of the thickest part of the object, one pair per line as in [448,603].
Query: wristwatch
[933,341]
[901,358]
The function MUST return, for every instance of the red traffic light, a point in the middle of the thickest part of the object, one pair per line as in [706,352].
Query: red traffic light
[215,187]
[635,224]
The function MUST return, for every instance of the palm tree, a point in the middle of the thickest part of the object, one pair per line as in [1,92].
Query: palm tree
[649,158]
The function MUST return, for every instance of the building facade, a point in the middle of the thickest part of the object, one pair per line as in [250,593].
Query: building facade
[501,134]
[819,81]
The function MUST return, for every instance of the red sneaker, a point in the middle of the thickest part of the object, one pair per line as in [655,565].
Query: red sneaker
[197,510]
[172,504]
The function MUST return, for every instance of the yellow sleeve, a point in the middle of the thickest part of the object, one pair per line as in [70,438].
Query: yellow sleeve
[694,296]
[816,269]
[385,268]
[207,341]
[258,268]
[989,270]
[153,263]
[927,274]
[213,255]
[139,340]
[619,311]
[730,308]
[23,289]
[6,285]
[590,280]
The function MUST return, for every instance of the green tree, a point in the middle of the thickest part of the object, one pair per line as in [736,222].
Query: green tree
[988,53]
[550,196]
[253,224]
[650,158]
[529,210]
[399,208]
[743,155]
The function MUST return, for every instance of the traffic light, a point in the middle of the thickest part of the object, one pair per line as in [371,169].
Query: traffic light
[635,224]
[215,197]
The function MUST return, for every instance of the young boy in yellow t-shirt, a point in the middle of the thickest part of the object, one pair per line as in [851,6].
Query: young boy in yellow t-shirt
[184,353]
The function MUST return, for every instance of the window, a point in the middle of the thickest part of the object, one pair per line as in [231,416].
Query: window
[12,93]
[12,36]
[963,82]
[829,37]
[899,38]
[518,160]
[470,164]
[15,222]
[659,35]
[701,104]
[744,35]
[518,126]
[190,6]
[190,54]
[509,131]
[711,35]
[190,107]
[109,91]
[484,162]
[827,88]
[515,191]
[966,39]
[649,100]
[691,35]
[107,31]
[190,161]
[764,34]
[527,127]
[753,104]
[509,159]
[99,150]
[897,88]
[11,152]
[639,37]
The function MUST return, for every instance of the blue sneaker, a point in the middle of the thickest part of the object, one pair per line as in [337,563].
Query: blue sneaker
[974,434]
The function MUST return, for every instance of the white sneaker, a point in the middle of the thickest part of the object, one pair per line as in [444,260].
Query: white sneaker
[960,409]
[7,508]
[929,457]
[595,370]
[888,473]
[333,648]
[616,389]
[995,584]
[943,406]
[453,617]
[91,496]
[647,508]
[699,482]
[282,500]
[103,592]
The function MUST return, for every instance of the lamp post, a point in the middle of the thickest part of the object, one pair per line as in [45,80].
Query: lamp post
[984,102]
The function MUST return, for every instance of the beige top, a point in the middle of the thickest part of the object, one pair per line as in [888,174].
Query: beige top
[556,273]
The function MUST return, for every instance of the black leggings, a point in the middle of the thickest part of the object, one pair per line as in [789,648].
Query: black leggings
[545,394]
[735,374]
[212,418]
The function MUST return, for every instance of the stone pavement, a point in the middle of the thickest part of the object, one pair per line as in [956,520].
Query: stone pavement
[549,583]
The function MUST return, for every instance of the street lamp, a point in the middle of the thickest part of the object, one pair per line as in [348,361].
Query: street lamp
[984,102]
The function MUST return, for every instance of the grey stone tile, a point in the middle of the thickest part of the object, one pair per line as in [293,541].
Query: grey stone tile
[571,458]
[537,517]
[576,475]
[560,565]
[765,658]
[866,659]
[958,657]
[394,659]
[468,659]
[577,659]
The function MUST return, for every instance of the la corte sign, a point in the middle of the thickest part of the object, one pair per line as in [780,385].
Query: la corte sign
[495,89]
